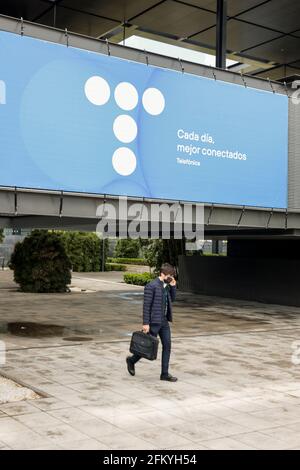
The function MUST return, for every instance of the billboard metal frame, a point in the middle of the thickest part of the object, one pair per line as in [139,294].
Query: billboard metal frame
[48,205]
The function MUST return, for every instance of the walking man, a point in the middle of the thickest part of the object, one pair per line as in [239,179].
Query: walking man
[157,313]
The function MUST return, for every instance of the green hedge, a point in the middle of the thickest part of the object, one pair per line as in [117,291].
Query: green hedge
[137,261]
[84,250]
[115,267]
[138,279]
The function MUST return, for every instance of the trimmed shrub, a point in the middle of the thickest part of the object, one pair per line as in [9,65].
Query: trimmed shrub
[214,254]
[40,263]
[137,261]
[138,279]
[115,267]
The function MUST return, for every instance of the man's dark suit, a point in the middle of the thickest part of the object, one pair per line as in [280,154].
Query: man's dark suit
[154,315]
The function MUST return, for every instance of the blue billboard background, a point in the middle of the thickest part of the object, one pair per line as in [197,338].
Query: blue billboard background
[75,120]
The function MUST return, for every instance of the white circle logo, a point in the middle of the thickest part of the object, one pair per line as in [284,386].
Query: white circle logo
[97,90]
[124,161]
[125,128]
[126,96]
[153,101]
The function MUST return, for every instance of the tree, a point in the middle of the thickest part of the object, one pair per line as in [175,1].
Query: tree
[162,251]
[127,248]
[153,253]
[40,263]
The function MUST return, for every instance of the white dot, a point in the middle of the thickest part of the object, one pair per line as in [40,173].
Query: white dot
[124,161]
[97,90]
[125,128]
[126,96]
[153,101]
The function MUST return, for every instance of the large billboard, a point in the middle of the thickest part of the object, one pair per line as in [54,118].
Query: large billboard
[76,120]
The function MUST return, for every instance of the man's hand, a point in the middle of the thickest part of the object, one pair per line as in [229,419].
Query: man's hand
[146,328]
[173,282]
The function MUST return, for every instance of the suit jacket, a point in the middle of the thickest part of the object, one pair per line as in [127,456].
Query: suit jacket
[153,302]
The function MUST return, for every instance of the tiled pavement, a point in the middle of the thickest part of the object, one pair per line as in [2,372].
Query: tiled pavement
[237,388]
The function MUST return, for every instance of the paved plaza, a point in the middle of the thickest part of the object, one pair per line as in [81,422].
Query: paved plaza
[238,387]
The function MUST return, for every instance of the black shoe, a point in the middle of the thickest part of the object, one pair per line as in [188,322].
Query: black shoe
[130,366]
[169,378]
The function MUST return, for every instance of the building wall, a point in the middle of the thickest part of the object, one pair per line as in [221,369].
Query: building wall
[7,247]
[271,280]
[294,155]
[264,248]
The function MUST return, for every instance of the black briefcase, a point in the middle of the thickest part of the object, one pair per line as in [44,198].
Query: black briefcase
[145,345]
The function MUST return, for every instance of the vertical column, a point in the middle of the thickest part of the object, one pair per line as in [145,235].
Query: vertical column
[215,247]
[221,34]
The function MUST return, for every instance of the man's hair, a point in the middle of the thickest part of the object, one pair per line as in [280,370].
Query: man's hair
[167,268]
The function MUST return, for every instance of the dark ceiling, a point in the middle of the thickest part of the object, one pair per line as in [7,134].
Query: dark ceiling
[263,34]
